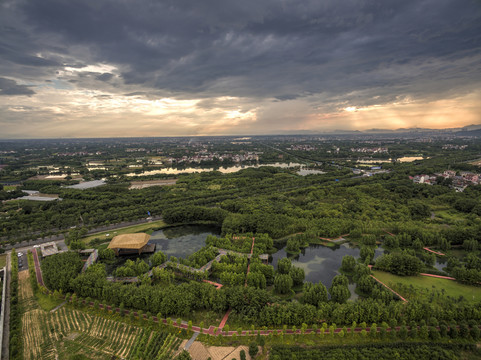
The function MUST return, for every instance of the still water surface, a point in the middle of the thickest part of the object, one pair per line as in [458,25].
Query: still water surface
[321,263]
[224,170]
[178,241]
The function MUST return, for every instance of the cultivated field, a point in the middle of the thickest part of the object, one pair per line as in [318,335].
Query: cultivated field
[67,332]
[199,351]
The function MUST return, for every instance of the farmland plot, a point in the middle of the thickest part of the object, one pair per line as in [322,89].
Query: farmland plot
[66,332]
[25,295]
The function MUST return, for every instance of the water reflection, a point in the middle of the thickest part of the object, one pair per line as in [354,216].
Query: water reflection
[178,241]
[223,170]
[410,158]
[182,241]
[304,172]
[440,263]
[321,263]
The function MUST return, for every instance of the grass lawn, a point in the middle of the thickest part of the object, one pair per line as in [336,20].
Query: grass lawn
[452,288]
[46,302]
[3,260]
[9,187]
[126,230]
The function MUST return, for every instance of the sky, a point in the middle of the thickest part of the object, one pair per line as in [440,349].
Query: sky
[120,68]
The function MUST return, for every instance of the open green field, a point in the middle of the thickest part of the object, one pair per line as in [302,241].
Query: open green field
[451,287]
[126,230]
[3,260]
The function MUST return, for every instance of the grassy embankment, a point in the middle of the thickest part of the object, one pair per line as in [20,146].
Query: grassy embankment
[451,287]
[154,225]
[3,260]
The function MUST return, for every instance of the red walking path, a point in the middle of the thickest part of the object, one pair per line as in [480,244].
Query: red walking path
[387,287]
[224,319]
[438,276]
[434,252]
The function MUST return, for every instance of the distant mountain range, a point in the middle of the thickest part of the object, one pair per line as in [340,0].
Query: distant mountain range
[470,130]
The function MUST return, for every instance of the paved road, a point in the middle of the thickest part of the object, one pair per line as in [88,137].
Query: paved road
[191,341]
[60,237]
[22,261]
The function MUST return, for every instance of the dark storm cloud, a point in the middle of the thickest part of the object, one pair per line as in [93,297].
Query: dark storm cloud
[10,87]
[376,50]
[104,76]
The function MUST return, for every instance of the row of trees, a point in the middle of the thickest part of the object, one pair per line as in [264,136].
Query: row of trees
[416,351]
[16,343]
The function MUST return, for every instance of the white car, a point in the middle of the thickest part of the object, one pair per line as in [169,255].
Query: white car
[20,254]
[36,246]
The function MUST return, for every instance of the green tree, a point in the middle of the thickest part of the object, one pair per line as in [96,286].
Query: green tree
[348,263]
[284,266]
[297,275]
[283,283]
[253,349]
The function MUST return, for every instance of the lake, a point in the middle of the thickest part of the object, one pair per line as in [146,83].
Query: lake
[223,170]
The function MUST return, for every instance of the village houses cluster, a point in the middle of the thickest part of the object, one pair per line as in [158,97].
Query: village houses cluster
[208,156]
[376,150]
[459,181]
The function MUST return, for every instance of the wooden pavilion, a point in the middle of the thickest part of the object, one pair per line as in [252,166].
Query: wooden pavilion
[131,243]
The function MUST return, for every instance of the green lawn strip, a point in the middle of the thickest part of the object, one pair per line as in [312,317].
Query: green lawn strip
[46,302]
[3,260]
[125,230]
[452,288]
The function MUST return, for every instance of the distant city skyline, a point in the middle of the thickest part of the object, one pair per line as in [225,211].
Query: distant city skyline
[105,68]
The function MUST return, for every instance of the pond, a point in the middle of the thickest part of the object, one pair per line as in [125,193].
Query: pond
[440,263]
[178,241]
[321,263]
[223,170]
[182,241]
